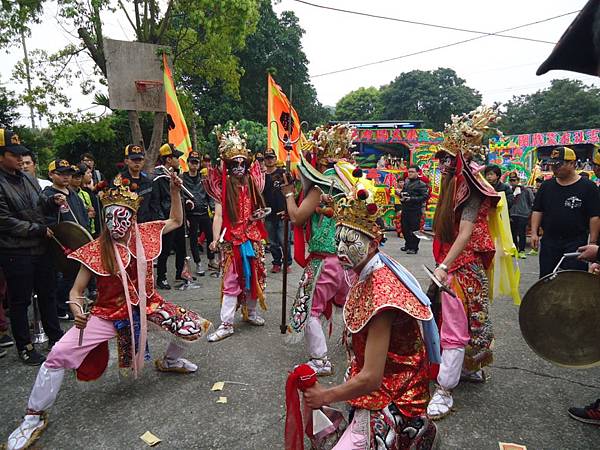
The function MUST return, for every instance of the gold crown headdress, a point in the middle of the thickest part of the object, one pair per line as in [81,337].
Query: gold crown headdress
[231,143]
[120,195]
[359,212]
[333,143]
[464,134]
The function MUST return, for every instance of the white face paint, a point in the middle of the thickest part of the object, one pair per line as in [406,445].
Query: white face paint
[353,246]
[118,220]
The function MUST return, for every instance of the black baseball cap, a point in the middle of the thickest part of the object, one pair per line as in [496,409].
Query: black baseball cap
[194,156]
[134,152]
[270,153]
[562,154]
[61,166]
[10,142]
[80,169]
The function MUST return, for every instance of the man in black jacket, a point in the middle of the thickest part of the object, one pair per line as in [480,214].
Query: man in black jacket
[23,241]
[492,175]
[197,213]
[413,197]
[73,210]
[140,182]
[161,203]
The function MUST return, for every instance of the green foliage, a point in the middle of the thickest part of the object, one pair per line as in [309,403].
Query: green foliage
[565,105]
[15,18]
[8,107]
[361,104]
[256,137]
[40,143]
[275,47]
[431,96]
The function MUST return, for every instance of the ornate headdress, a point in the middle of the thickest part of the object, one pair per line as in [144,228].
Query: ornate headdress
[231,143]
[120,195]
[358,211]
[333,143]
[465,133]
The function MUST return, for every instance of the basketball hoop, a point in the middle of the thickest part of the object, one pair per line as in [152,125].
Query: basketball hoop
[144,85]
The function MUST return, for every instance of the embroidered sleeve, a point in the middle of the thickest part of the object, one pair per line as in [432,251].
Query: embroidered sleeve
[258,176]
[471,208]
[212,184]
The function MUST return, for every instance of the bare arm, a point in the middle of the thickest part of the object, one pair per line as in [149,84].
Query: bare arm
[536,223]
[175,219]
[370,377]
[594,228]
[216,226]
[75,295]
[299,215]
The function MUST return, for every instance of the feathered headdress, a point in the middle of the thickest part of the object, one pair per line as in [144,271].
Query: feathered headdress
[332,143]
[120,194]
[464,134]
[232,144]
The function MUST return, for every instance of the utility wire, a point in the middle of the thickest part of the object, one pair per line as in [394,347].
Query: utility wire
[439,47]
[425,24]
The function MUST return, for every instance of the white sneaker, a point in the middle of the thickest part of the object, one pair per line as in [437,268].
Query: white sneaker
[322,366]
[199,268]
[223,332]
[440,404]
[179,365]
[257,321]
[28,432]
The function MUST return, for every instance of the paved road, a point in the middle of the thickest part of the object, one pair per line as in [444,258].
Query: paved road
[525,400]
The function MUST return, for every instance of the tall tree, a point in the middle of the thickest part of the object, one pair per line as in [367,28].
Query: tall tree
[361,104]
[431,96]
[203,36]
[565,105]
[276,48]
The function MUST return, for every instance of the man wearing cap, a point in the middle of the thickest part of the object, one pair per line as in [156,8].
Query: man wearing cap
[30,166]
[168,161]
[519,212]
[275,200]
[89,160]
[83,175]
[568,209]
[197,212]
[73,210]
[23,238]
[141,183]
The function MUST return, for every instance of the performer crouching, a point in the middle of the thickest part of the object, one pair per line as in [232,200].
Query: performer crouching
[238,231]
[387,384]
[121,259]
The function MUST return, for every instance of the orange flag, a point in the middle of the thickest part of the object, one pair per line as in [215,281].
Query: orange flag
[178,130]
[279,114]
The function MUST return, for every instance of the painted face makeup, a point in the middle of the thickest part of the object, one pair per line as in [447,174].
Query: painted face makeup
[353,246]
[448,164]
[118,220]
[237,167]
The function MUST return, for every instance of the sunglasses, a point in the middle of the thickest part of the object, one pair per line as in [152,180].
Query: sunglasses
[270,157]
[260,159]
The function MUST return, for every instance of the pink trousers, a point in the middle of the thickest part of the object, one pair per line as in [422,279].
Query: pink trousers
[331,286]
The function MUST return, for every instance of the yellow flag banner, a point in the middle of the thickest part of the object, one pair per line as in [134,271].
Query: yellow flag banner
[281,118]
[178,130]
[505,274]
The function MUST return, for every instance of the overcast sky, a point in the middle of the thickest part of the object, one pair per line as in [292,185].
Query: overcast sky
[497,67]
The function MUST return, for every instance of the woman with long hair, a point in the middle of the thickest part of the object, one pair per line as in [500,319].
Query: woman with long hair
[464,251]
[126,306]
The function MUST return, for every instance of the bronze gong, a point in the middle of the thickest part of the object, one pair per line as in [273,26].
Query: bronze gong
[560,318]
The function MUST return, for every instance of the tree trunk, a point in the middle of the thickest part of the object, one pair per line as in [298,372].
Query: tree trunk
[155,140]
[136,131]
[194,136]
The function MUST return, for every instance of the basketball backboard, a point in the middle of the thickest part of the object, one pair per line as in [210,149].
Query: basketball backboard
[135,76]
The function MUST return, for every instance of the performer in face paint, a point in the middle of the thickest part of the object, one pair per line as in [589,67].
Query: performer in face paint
[464,251]
[387,383]
[121,259]
[323,283]
[238,231]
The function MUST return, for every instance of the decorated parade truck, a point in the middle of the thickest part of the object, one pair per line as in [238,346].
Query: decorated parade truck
[385,149]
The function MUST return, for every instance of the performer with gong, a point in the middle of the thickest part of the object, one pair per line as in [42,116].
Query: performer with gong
[127,304]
